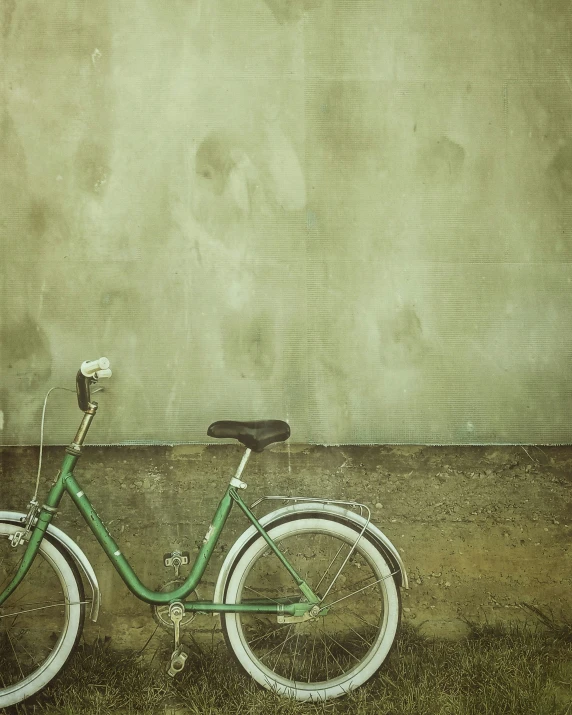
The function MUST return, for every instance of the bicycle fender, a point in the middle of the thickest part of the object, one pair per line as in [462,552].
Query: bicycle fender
[14,517]
[306,508]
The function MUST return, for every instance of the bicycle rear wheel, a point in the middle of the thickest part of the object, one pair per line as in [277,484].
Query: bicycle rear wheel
[41,622]
[345,645]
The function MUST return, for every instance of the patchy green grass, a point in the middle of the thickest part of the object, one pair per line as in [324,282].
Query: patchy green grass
[495,670]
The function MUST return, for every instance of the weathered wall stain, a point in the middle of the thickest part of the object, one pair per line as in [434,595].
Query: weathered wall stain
[560,171]
[346,120]
[542,113]
[291,10]
[92,170]
[25,367]
[38,218]
[407,332]
[227,180]
[13,182]
[26,355]
[249,173]
[7,10]
[282,169]
[442,159]
[214,160]
[249,345]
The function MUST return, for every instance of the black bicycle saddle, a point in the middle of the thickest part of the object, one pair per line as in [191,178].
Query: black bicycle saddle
[254,435]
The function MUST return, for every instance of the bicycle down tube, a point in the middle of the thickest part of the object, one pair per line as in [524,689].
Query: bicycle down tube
[66,482]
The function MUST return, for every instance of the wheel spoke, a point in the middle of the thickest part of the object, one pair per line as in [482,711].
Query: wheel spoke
[361,618]
[269,634]
[288,637]
[15,654]
[384,578]
[328,568]
[343,648]
[262,595]
[295,654]
[356,585]
[331,653]
[33,658]
[42,608]
[311,659]
[351,551]
[353,630]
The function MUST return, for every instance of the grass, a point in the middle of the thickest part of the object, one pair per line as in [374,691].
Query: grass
[495,670]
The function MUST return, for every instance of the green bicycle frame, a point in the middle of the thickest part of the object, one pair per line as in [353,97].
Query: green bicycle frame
[66,482]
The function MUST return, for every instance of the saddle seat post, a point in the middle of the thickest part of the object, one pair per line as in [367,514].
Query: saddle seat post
[236,480]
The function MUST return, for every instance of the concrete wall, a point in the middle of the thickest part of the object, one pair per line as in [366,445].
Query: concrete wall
[351,215]
[480,529]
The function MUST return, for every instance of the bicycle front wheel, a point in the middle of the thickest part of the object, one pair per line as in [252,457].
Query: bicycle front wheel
[347,642]
[40,622]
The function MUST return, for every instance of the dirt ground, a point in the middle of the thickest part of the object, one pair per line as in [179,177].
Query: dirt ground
[482,530]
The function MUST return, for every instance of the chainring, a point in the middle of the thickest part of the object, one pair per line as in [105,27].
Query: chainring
[161,612]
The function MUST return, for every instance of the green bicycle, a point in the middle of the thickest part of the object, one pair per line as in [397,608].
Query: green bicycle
[308,595]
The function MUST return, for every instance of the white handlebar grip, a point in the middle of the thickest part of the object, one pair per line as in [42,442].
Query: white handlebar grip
[104,373]
[89,367]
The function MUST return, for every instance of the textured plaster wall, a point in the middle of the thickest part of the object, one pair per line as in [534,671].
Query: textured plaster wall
[351,215]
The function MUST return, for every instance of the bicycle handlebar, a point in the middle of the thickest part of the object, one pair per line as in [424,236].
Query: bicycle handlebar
[91,367]
[90,372]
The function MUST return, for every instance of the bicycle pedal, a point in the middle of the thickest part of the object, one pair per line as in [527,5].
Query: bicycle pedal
[178,660]
[176,558]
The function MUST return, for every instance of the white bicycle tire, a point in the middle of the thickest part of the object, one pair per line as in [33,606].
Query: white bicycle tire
[237,640]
